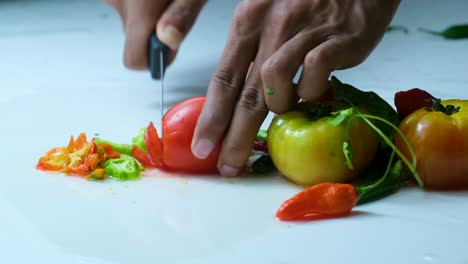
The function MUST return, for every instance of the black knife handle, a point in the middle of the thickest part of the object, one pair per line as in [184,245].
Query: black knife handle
[154,49]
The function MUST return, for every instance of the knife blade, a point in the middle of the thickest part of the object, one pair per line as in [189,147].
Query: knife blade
[158,54]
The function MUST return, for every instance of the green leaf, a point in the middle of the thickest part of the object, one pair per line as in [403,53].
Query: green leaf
[452,32]
[340,116]
[369,101]
[348,153]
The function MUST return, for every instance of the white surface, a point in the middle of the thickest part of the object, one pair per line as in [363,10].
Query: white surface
[61,73]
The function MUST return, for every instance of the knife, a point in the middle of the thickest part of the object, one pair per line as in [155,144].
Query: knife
[158,54]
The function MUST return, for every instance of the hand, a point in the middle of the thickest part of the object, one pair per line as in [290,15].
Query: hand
[269,40]
[172,19]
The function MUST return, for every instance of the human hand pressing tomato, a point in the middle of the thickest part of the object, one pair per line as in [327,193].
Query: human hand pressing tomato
[172,21]
[269,40]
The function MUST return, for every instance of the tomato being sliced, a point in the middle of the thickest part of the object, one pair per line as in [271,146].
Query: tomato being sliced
[178,127]
[154,145]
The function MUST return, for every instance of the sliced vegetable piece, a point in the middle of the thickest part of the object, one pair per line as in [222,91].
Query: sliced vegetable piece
[120,148]
[143,157]
[54,160]
[153,145]
[108,151]
[139,140]
[262,135]
[123,168]
[97,174]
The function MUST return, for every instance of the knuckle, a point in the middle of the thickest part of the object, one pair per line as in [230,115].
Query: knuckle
[245,14]
[317,58]
[252,101]
[284,20]
[272,69]
[225,81]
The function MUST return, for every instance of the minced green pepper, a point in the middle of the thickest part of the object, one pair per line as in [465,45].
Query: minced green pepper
[123,168]
[120,148]
[138,140]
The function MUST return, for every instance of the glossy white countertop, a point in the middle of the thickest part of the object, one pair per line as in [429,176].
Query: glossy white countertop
[61,74]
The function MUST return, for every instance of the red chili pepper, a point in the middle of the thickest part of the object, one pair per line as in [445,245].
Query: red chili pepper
[409,101]
[320,201]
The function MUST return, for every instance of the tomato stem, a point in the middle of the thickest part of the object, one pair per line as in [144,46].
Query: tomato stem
[411,166]
[448,109]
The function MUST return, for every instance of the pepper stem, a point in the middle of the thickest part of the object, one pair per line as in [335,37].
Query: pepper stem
[430,31]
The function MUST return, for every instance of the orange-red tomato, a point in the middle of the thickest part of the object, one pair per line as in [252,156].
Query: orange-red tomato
[178,127]
[172,152]
[440,142]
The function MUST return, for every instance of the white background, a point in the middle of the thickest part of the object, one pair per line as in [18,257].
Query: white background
[61,74]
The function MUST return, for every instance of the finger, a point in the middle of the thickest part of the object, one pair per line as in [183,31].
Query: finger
[228,79]
[250,110]
[140,24]
[177,21]
[248,116]
[279,70]
[334,54]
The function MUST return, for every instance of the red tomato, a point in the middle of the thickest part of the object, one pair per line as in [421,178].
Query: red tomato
[178,127]
[440,142]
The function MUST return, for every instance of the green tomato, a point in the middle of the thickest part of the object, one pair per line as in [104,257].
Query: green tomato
[307,148]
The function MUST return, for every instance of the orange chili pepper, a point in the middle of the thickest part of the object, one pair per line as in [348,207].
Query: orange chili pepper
[323,200]
[79,157]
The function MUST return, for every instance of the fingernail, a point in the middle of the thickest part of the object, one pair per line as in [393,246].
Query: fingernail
[171,36]
[203,148]
[229,171]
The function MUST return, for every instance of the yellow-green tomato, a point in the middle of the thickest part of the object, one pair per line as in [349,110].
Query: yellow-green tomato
[308,149]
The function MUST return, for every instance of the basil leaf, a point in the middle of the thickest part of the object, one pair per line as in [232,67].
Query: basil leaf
[370,101]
